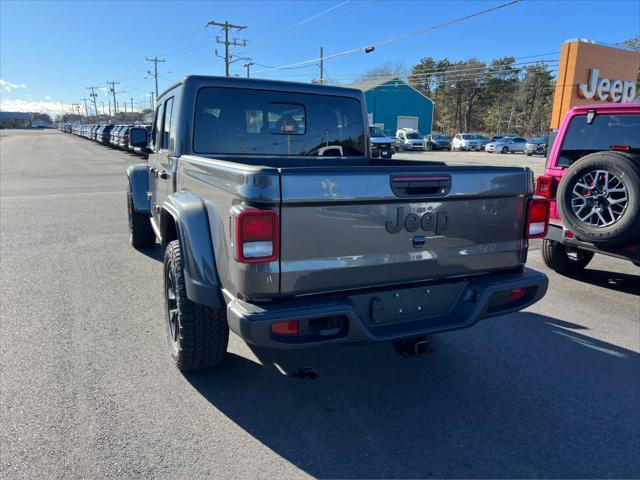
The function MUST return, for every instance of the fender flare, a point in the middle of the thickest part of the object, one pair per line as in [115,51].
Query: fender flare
[198,260]
[138,176]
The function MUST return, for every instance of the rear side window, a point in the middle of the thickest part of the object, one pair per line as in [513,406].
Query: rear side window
[261,122]
[605,130]
[157,126]
[168,120]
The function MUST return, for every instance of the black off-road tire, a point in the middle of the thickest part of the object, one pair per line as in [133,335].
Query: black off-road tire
[202,331]
[557,257]
[141,234]
[627,227]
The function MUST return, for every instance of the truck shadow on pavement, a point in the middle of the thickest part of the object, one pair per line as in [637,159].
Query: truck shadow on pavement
[518,396]
[621,282]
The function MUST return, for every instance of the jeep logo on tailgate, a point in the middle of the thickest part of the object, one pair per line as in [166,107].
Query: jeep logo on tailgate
[429,222]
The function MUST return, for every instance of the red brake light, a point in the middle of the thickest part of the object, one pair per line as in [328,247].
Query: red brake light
[257,236]
[544,186]
[285,328]
[516,294]
[623,148]
[537,221]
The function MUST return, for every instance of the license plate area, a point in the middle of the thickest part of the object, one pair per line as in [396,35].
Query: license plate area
[410,304]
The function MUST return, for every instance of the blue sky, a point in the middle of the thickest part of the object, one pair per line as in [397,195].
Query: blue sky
[51,51]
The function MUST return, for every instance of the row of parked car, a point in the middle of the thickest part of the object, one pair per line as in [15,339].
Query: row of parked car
[409,139]
[117,136]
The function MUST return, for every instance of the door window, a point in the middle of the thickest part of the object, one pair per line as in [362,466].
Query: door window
[167,129]
[157,127]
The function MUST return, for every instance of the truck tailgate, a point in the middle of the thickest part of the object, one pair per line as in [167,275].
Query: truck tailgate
[362,227]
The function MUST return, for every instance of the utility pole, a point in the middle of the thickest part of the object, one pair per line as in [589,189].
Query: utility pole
[86,109]
[94,95]
[226,26]
[125,108]
[109,107]
[131,104]
[155,69]
[112,89]
[153,101]
[321,65]
[248,66]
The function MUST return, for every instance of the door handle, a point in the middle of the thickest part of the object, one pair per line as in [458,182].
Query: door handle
[164,175]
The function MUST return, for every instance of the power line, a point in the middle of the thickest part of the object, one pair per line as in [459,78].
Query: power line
[302,22]
[94,95]
[402,36]
[155,61]
[226,26]
[112,90]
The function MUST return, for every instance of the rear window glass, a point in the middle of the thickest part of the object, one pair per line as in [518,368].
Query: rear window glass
[261,122]
[605,130]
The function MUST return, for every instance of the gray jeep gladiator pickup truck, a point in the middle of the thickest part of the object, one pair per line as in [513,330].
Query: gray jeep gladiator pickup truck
[276,223]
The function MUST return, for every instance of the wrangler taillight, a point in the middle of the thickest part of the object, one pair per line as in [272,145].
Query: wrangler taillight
[537,221]
[544,186]
[257,236]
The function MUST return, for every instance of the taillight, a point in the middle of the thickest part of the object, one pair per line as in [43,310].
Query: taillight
[257,236]
[544,186]
[537,221]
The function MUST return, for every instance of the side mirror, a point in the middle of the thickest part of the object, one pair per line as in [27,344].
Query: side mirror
[138,137]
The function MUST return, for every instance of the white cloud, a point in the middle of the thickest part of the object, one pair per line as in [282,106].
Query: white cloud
[52,108]
[9,86]
[47,97]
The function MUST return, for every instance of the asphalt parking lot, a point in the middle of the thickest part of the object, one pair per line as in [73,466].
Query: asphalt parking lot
[88,389]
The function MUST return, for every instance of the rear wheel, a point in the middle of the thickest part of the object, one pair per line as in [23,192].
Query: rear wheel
[564,260]
[505,149]
[599,198]
[197,334]
[141,234]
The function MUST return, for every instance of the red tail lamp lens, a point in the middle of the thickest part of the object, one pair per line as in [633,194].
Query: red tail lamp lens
[537,218]
[544,186]
[257,236]
[285,328]
[516,294]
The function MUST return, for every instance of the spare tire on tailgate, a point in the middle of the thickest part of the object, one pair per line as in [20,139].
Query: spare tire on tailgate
[599,198]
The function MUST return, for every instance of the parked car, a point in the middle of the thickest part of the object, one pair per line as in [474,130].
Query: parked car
[593,181]
[536,146]
[437,141]
[103,134]
[123,138]
[288,247]
[381,145]
[115,135]
[506,145]
[465,141]
[410,139]
[483,140]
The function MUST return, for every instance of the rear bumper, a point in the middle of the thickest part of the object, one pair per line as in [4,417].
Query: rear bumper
[630,252]
[388,314]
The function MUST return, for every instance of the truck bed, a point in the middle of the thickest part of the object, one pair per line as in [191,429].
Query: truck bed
[352,226]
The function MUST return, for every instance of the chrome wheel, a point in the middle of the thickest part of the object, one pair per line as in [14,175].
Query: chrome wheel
[599,198]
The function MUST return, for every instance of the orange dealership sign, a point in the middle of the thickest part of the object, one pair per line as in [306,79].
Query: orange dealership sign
[592,73]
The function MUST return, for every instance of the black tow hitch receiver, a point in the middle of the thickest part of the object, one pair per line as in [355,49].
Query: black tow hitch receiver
[412,347]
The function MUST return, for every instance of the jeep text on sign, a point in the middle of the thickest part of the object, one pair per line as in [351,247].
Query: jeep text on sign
[591,73]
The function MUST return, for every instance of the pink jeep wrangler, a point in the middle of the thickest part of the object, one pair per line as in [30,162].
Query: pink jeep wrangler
[593,181]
